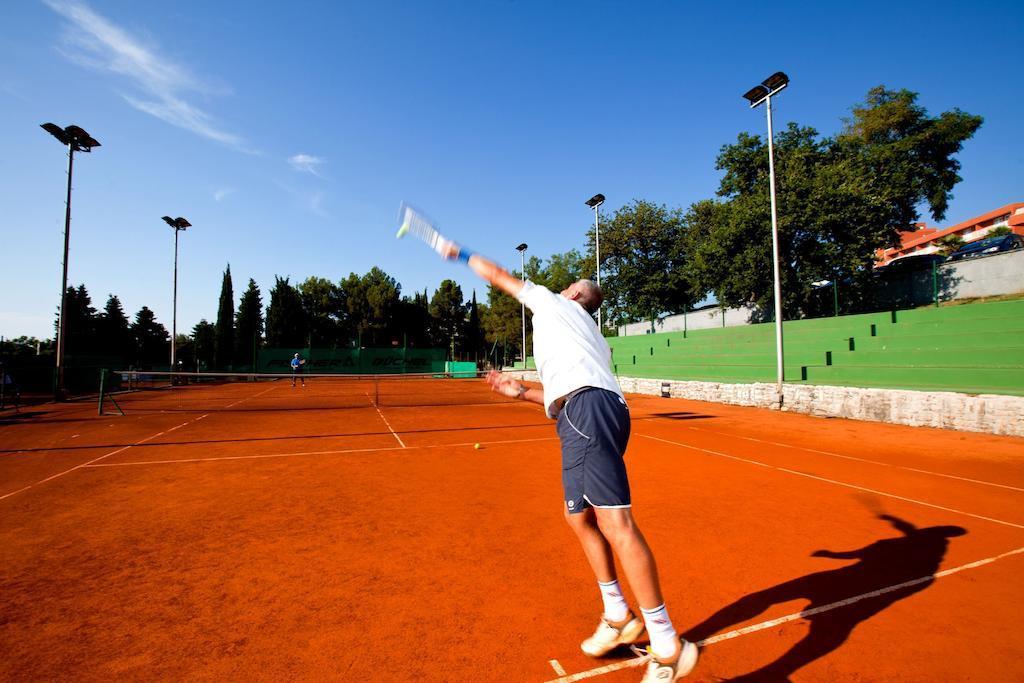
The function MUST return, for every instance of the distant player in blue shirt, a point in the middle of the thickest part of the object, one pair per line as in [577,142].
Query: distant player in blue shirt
[297,363]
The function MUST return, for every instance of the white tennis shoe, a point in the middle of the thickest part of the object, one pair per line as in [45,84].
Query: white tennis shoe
[607,637]
[666,672]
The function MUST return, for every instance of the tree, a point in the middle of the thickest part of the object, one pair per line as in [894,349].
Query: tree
[502,323]
[412,319]
[949,244]
[1001,231]
[113,330]
[286,320]
[79,322]
[449,315]
[152,342]
[370,302]
[224,336]
[249,325]
[204,337]
[474,338]
[840,200]
[643,254]
[321,301]
[564,269]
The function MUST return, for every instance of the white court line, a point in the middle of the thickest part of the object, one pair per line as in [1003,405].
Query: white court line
[92,462]
[107,455]
[393,432]
[838,483]
[592,673]
[853,457]
[341,451]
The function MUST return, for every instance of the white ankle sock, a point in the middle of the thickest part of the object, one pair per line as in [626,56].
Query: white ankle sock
[664,641]
[615,607]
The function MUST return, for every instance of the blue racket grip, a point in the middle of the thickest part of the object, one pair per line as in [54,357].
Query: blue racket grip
[464,255]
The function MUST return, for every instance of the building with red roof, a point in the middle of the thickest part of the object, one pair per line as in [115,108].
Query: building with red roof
[922,239]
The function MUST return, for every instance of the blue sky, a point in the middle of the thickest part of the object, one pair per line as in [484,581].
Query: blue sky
[288,133]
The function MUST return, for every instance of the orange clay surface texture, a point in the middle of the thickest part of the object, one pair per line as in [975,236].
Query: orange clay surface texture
[264,533]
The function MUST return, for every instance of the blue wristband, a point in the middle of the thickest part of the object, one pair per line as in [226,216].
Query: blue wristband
[464,255]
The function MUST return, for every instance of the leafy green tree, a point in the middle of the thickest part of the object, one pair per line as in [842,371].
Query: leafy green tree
[152,342]
[502,323]
[949,244]
[840,200]
[249,325]
[224,339]
[203,342]
[643,254]
[370,302]
[321,300]
[449,314]
[561,270]
[1001,231]
[286,319]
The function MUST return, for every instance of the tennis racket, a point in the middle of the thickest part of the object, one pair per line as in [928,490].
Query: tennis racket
[417,224]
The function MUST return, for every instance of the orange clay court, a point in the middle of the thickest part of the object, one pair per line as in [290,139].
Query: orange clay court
[258,532]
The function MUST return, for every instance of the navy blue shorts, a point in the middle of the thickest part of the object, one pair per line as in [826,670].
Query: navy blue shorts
[593,427]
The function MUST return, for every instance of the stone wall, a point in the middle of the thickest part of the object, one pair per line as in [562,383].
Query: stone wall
[990,413]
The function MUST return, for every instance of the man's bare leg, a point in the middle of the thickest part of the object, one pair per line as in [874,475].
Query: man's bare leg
[629,545]
[595,545]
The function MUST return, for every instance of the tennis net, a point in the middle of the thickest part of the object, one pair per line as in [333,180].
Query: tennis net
[138,390]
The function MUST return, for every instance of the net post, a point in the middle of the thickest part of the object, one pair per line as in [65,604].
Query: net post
[376,391]
[103,390]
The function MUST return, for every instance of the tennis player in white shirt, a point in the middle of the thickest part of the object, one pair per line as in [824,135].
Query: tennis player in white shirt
[580,392]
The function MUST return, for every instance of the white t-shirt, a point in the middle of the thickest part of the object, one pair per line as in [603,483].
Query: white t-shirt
[567,346]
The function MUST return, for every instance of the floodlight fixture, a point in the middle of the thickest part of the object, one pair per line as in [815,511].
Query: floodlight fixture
[768,87]
[755,95]
[521,247]
[76,140]
[595,201]
[178,223]
[777,81]
[73,136]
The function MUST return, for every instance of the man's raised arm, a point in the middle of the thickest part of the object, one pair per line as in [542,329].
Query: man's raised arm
[485,268]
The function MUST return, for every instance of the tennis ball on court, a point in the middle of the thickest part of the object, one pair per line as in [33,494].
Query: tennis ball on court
[477,446]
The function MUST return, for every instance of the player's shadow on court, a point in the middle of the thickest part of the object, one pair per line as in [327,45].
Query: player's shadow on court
[886,571]
[682,415]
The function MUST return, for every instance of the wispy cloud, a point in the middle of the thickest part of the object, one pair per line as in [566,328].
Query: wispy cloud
[307,163]
[221,193]
[316,204]
[94,41]
[312,202]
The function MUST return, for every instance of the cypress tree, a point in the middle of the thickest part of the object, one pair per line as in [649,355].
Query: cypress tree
[224,333]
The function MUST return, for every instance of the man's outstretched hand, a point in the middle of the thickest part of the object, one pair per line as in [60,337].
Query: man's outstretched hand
[501,384]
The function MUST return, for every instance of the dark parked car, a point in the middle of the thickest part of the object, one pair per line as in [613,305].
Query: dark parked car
[989,245]
[909,264]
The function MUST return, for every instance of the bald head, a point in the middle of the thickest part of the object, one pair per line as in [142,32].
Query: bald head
[586,293]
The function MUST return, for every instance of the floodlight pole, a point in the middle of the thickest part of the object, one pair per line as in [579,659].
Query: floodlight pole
[76,140]
[756,95]
[779,363]
[597,254]
[595,203]
[174,307]
[178,224]
[62,323]
[522,253]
